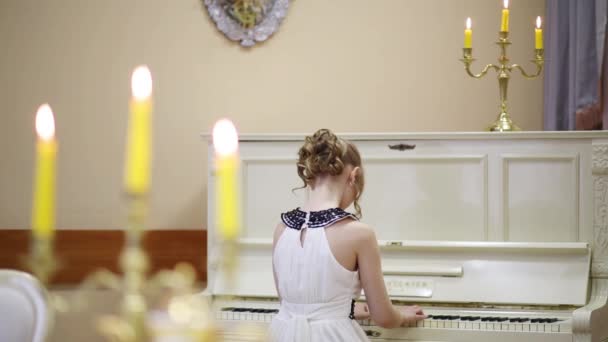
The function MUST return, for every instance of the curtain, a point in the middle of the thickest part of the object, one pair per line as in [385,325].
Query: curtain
[576,63]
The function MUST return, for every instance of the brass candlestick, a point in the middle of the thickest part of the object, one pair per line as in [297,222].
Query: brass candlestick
[504,122]
[41,259]
[187,312]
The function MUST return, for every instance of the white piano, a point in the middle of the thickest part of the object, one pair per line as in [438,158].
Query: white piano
[500,237]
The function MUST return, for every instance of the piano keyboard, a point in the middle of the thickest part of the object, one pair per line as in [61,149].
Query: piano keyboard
[550,325]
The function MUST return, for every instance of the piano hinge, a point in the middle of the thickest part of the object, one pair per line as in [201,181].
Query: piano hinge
[402,147]
[394,243]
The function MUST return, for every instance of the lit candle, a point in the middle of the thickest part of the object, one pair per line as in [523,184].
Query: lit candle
[43,208]
[137,165]
[504,24]
[468,35]
[539,34]
[226,144]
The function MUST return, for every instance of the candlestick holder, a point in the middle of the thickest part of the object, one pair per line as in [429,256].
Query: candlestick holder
[187,316]
[41,259]
[504,122]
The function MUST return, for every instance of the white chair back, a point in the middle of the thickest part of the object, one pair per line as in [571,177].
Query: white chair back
[24,313]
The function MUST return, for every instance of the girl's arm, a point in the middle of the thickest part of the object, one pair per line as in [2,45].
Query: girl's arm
[382,311]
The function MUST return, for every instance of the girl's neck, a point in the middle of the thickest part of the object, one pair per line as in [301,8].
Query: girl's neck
[326,194]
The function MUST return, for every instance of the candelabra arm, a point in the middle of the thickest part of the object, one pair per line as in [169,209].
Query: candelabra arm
[101,278]
[539,61]
[482,73]
[539,69]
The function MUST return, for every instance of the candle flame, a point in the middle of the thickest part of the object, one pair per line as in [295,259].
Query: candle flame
[45,123]
[468,23]
[225,137]
[506,3]
[141,83]
[538,22]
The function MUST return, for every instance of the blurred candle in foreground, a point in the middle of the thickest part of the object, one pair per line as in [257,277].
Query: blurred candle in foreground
[137,164]
[226,144]
[468,35]
[43,208]
[504,23]
[538,34]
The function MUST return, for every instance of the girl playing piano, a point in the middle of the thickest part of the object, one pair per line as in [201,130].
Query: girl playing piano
[323,255]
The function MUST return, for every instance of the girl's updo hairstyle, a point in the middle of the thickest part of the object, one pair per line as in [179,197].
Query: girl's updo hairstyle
[324,153]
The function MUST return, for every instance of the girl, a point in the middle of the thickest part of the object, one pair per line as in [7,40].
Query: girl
[322,255]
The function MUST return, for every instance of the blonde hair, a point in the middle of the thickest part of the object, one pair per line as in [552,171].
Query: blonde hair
[324,153]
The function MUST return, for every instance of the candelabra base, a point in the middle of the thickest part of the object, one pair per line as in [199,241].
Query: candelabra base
[503,124]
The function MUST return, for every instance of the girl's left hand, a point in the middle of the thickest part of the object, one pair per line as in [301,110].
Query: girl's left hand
[361,311]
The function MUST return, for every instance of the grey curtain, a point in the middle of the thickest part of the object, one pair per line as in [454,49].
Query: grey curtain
[576,82]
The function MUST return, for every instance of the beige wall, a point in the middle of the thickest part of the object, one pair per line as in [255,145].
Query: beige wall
[350,65]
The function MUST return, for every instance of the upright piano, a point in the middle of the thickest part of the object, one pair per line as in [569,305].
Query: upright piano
[499,237]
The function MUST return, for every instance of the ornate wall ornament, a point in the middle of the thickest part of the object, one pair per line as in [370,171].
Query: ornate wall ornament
[247,21]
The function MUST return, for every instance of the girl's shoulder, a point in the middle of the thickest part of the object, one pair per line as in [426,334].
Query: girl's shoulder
[357,231]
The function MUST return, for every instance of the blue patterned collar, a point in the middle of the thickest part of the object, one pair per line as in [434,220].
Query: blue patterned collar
[297,218]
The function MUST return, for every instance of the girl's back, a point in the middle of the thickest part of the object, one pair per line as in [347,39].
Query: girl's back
[316,290]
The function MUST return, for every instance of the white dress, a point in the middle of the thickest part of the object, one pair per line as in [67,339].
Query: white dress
[316,291]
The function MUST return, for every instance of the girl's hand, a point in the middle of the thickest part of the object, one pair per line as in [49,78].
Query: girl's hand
[411,314]
[361,311]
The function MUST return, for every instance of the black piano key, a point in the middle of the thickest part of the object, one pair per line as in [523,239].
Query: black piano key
[454,317]
[523,319]
[475,318]
[502,319]
[534,320]
[514,319]
[465,318]
[552,320]
[485,319]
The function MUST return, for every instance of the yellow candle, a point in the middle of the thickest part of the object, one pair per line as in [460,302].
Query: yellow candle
[539,34]
[137,165]
[468,35]
[43,208]
[504,24]
[225,142]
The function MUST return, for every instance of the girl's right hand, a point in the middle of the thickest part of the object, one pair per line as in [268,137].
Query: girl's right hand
[411,314]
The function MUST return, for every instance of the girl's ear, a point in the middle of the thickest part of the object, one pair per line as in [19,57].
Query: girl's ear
[352,177]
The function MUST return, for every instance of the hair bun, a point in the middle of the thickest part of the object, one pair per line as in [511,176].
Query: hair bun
[328,151]
[321,154]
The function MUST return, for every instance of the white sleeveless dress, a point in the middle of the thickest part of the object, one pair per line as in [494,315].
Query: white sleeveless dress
[316,291]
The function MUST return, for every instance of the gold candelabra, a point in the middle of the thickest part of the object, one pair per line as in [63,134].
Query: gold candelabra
[187,314]
[504,122]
